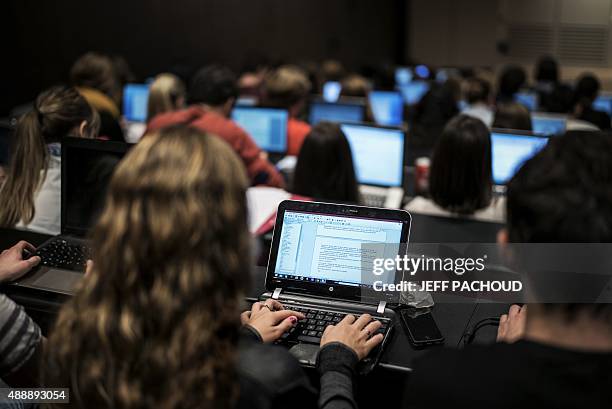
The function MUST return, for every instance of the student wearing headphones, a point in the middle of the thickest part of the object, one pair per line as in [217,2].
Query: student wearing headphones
[166,286]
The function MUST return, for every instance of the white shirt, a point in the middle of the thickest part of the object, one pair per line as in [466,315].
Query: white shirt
[495,212]
[48,201]
[262,202]
[480,111]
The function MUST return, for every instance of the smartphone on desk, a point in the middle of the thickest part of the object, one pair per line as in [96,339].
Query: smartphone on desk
[420,327]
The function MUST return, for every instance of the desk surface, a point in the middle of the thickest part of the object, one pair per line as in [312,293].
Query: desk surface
[452,314]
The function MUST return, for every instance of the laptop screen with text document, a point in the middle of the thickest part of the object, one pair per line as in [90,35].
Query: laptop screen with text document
[327,249]
[378,154]
[267,126]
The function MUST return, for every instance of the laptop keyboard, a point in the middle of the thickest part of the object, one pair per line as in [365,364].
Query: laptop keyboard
[310,330]
[374,200]
[59,253]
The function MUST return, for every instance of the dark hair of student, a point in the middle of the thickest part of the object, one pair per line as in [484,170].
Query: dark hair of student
[563,195]
[547,70]
[324,169]
[511,81]
[512,115]
[212,85]
[57,112]
[460,179]
[97,71]
[586,89]
[167,283]
[478,90]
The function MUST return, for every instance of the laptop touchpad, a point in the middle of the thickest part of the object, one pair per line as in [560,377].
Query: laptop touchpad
[63,281]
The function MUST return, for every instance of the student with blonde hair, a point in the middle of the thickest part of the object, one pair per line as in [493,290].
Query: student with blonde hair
[166,93]
[30,197]
[166,288]
[288,88]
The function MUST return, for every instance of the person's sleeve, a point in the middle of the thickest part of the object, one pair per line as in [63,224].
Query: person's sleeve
[260,170]
[336,365]
[19,337]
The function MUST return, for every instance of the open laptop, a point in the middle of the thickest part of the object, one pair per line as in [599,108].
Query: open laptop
[387,107]
[342,111]
[414,91]
[135,104]
[509,150]
[316,267]
[331,91]
[87,166]
[528,99]
[603,103]
[548,124]
[267,127]
[378,157]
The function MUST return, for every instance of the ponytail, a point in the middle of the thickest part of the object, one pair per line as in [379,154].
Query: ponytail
[28,158]
[57,112]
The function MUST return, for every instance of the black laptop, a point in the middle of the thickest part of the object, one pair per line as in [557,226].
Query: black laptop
[316,267]
[87,166]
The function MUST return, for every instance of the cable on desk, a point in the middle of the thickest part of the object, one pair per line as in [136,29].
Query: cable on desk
[469,336]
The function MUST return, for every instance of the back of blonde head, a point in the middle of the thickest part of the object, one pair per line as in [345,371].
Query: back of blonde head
[156,322]
[167,93]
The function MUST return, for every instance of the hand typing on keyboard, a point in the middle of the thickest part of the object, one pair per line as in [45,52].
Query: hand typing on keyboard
[356,334]
[270,319]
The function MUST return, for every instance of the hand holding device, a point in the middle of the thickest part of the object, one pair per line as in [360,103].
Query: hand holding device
[355,334]
[270,319]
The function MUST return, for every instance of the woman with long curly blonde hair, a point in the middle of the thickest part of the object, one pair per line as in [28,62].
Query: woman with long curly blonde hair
[156,321]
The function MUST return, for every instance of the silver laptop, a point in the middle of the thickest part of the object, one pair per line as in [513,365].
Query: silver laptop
[378,157]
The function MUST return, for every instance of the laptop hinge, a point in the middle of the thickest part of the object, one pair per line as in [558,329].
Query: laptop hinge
[381,307]
[276,293]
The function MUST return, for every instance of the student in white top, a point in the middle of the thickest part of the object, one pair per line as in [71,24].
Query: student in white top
[30,197]
[460,177]
[478,97]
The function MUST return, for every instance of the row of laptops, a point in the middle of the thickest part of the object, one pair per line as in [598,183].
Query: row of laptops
[301,273]
[530,100]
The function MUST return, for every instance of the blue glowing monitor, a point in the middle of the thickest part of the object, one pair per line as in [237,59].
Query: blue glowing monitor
[528,99]
[378,154]
[510,150]
[403,76]
[135,100]
[336,112]
[603,103]
[387,107]
[548,125]
[267,126]
[331,91]
[413,92]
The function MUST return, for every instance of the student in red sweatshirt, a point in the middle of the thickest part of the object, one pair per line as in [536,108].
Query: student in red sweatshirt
[212,94]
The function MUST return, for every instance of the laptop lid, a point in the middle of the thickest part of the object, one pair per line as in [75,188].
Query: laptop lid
[317,249]
[603,103]
[414,91]
[528,99]
[135,102]
[510,149]
[378,154]
[548,125]
[87,166]
[267,126]
[336,112]
[387,107]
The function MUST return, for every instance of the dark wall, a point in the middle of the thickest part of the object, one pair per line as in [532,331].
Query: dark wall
[156,35]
